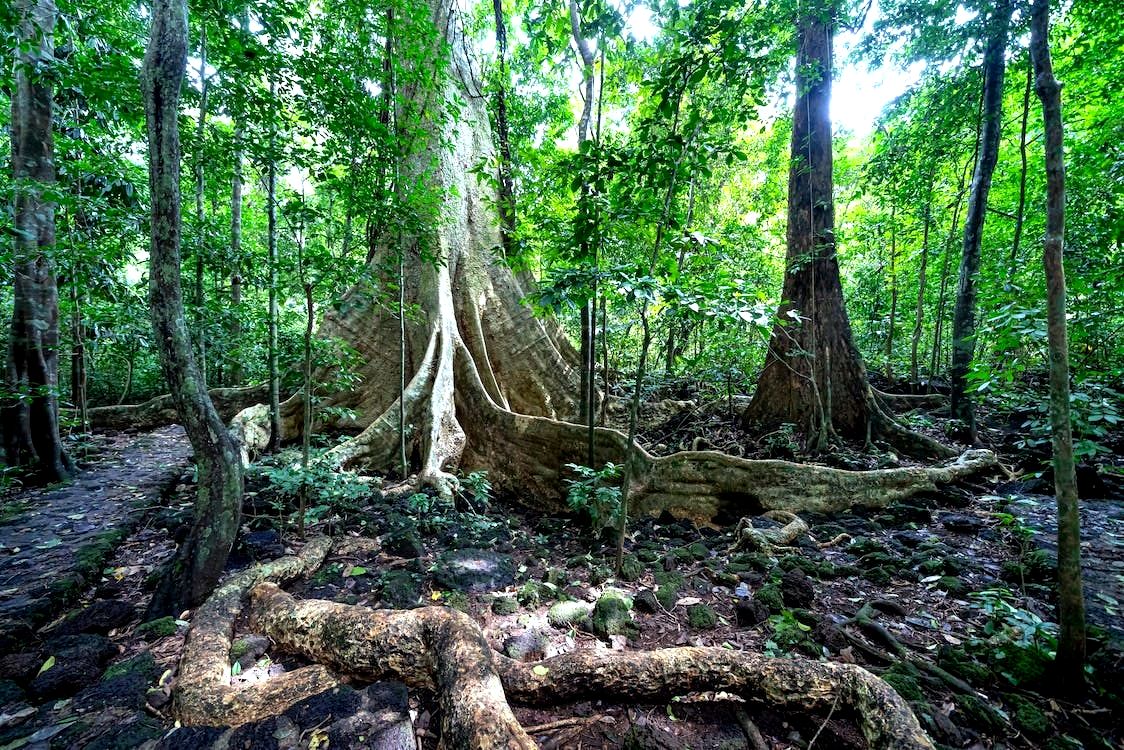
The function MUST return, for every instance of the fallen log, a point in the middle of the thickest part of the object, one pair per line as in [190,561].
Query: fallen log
[160,411]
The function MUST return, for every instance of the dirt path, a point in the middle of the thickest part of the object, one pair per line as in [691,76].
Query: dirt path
[54,540]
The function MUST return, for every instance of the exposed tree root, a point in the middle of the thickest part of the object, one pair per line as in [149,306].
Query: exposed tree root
[904,401]
[160,411]
[443,650]
[751,539]
[203,693]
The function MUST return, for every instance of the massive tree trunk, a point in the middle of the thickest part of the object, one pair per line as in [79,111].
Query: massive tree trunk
[201,558]
[1070,659]
[964,314]
[490,383]
[814,376]
[30,420]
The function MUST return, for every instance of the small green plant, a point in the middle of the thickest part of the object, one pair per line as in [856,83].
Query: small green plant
[595,494]
[1007,620]
[329,492]
[476,490]
[788,633]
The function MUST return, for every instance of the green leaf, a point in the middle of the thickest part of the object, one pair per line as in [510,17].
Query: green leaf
[357,570]
[540,670]
[46,665]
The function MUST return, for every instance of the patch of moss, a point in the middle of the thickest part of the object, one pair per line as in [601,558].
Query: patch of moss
[556,576]
[89,558]
[791,562]
[568,614]
[904,683]
[143,664]
[770,596]
[954,586]
[631,569]
[505,605]
[865,546]
[977,712]
[747,561]
[611,614]
[157,629]
[600,574]
[959,663]
[879,576]
[530,594]
[1028,717]
[698,551]
[667,587]
[701,617]
[1021,665]
[457,600]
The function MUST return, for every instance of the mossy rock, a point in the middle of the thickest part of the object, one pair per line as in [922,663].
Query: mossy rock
[878,559]
[668,585]
[505,605]
[142,664]
[978,713]
[401,589]
[599,574]
[865,546]
[458,600]
[154,630]
[901,680]
[953,585]
[647,556]
[698,551]
[847,571]
[879,576]
[747,561]
[1027,716]
[571,614]
[611,614]
[701,616]
[770,596]
[799,562]
[958,662]
[631,569]
[578,561]
[1021,665]
[722,578]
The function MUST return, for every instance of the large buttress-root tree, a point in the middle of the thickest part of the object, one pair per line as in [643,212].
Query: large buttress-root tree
[202,556]
[814,376]
[490,386]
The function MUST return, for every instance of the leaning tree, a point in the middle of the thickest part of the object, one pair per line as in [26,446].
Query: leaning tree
[490,386]
[814,376]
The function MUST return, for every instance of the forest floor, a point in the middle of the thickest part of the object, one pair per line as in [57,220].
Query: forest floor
[948,596]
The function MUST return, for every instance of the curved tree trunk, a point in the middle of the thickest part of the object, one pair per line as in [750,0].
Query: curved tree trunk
[201,558]
[964,313]
[489,383]
[30,419]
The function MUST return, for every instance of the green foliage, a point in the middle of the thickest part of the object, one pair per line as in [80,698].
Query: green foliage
[329,492]
[594,494]
[1019,643]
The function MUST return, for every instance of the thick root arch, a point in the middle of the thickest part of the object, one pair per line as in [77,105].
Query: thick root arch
[443,650]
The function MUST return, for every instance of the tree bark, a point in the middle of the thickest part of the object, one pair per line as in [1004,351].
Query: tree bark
[1070,659]
[200,559]
[1020,212]
[200,207]
[505,195]
[30,415]
[964,313]
[235,357]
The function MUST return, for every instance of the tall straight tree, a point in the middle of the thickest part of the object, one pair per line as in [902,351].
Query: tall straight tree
[201,558]
[814,376]
[30,416]
[964,313]
[1070,660]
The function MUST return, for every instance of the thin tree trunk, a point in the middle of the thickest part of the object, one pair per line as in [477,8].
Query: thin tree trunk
[964,313]
[30,417]
[201,558]
[505,194]
[200,210]
[1070,659]
[919,313]
[78,376]
[1020,213]
[938,328]
[235,357]
[893,293]
[588,347]
[271,210]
